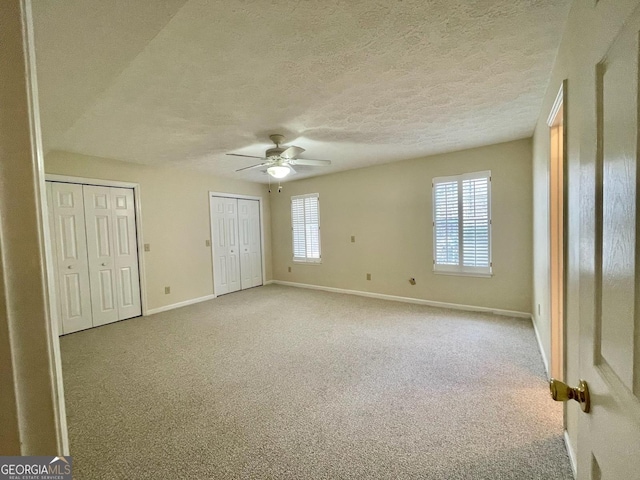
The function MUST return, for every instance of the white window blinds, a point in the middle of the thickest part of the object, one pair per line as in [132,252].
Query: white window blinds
[446,223]
[305,226]
[462,223]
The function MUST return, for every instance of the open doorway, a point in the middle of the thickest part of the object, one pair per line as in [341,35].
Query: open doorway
[557,233]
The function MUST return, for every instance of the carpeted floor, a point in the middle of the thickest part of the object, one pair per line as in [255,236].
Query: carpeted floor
[283,383]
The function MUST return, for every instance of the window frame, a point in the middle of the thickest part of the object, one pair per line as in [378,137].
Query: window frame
[460,269]
[305,260]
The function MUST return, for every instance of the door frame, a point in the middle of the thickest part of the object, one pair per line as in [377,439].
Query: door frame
[49,177]
[238,197]
[560,102]
[33,407]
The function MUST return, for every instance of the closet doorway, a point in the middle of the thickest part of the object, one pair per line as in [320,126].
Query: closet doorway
[94,244]
[236,242]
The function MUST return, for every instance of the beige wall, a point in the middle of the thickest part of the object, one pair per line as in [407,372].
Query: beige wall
[589,31]
[389,210]
[175,220]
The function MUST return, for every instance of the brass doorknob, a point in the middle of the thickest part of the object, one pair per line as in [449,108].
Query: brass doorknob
[561,392]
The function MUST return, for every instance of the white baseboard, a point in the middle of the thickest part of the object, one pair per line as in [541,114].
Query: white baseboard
[542,354]
[571,453]
[269,282]
[151,311]
[418,301]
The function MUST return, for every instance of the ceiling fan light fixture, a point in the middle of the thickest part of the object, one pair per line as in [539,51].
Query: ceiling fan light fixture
[278,171]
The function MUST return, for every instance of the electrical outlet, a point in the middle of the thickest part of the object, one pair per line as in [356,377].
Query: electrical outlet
[368,276]
[353,239]
[147,247]
[207,242]
[412,281]
[167,290]
[289,269]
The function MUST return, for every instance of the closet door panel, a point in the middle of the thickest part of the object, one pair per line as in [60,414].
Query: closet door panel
[255,247]
[52,233]
[100,247]
[69,242]
[225,244]
[251,258]
[233,252]
[244,219]
[219,245]
[126,253]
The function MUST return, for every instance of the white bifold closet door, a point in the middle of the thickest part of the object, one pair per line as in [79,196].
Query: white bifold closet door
[250,251]
[95,244]
[66,219]
[237,256]
[226,262]
[112,251]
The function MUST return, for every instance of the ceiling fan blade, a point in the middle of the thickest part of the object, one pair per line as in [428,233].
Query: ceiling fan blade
[252,166]
[314,163]
[292,152]
[248,156]
[291,168]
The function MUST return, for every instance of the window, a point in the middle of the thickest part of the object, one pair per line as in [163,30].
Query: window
[462,224]
[305,227]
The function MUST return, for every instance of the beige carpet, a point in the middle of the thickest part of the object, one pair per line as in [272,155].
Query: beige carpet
[285,383]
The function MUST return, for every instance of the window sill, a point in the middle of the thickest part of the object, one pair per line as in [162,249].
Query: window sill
[464,274]
[302,262]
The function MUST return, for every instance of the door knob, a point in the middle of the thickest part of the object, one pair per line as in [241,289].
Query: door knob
[69,267]
[561,392]
[104,264]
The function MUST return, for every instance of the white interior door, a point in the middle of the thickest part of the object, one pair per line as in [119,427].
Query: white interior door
[609,436]
[126,253]
[102,263]
[225,244]
[250,251]
[70,245]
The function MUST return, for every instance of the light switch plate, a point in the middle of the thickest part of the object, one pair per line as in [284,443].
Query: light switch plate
[147,247]
[167,290]
[207,242]
[353,239]
[368,276]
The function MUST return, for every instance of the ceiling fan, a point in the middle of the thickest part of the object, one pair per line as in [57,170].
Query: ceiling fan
[280,160]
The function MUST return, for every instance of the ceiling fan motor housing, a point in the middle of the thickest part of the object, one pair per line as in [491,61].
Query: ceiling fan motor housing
[277,150]
[274,152]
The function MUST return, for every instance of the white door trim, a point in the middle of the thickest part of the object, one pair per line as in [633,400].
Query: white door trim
[557,103]
[52,177]
[244,197]
[136,196]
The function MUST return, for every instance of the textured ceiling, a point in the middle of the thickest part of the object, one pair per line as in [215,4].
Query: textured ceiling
[181,83]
